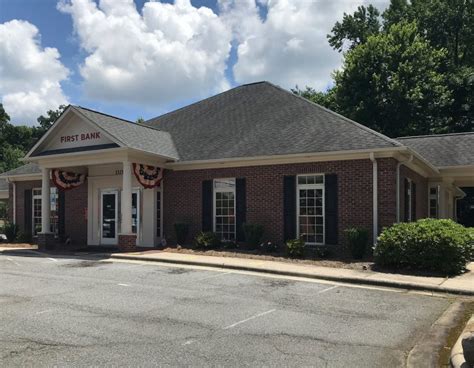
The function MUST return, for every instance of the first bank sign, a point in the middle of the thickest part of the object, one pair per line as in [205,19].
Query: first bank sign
[82,137]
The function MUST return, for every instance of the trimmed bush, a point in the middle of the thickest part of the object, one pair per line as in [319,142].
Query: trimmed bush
[358,239]
[11,231]
[295,248]
[23,237]
[268,247]
[181,230]
[441,246]
[253,234]
[207,240]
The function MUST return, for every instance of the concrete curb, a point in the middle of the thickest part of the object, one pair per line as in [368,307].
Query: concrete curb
[457,355]
[426,352]
[346,279]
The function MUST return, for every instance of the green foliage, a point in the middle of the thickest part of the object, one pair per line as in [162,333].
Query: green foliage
[253,234]
[295,247]
[3,210]
[181,230]
[268,247]
[17,140]
[23,237]
[358,240]
[441,246]
[11,231]
[408,72]
[355,29]
[393,83]
[207,240]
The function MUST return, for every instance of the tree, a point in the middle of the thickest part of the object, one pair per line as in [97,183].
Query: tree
[325,99]
[355,29]
[45,122]
[393,83]
[140,120]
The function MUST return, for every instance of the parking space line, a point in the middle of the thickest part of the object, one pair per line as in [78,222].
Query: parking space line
[127,285]
[11,260]
[329,288]
[52,259]
[250,318]
[213,276]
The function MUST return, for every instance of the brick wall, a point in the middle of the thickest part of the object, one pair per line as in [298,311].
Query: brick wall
[75,203]
[182,194]
[75,225]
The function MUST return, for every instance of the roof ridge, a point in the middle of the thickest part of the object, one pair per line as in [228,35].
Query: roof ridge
[198,102]
[116,117]
[367,129]
[435,135]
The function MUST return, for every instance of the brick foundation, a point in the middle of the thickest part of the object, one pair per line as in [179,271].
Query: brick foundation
[127,242]
[46,241]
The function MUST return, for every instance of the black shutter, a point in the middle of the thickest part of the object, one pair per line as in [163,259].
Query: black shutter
[61,213]
[413,201]
[330,209]
[28,215]
[289,207]
[241,207]
[207,205]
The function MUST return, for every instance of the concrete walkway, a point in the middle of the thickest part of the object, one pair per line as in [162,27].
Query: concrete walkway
[463,284]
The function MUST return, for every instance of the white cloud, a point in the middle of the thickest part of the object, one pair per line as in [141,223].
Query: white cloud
[30,75]
[169,52]
[290,46]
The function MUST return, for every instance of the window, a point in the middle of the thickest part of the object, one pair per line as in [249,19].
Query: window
[54,208]
[310,211]
[224,208]
[434,202]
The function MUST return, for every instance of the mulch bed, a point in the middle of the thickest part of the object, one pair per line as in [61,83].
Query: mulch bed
[279,257]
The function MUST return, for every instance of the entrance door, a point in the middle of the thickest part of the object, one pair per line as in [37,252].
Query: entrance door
[109,216]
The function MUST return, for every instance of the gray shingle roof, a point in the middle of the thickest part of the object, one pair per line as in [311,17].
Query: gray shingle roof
[27,169]
[261,119]
[3,184]
[444,149]
[133,135]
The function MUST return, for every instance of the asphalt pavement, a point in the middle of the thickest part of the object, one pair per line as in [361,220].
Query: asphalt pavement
[87,312]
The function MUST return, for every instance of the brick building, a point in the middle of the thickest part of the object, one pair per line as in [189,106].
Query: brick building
[255,154]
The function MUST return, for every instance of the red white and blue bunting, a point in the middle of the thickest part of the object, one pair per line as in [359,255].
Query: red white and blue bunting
[148,176]
[66,180]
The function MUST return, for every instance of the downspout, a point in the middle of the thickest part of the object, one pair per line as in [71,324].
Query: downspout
[374,197]
[399,164]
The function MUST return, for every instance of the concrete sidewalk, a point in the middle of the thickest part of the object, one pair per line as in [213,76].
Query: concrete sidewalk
[463,284]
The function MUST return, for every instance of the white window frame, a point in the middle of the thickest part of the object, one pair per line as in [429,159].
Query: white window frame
[311,186]
[39,197]
[214,216]
[436,197]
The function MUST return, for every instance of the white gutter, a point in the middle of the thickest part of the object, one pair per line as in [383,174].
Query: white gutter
[375,197]
[399,164]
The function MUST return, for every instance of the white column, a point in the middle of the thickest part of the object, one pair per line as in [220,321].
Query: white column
[45,201]
[126,208]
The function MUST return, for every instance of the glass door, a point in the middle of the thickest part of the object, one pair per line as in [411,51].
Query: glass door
[109,217]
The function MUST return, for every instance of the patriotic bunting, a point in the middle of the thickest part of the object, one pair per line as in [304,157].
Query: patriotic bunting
[148,176]
[66,180]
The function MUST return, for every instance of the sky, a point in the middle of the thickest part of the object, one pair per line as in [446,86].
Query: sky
[144,58]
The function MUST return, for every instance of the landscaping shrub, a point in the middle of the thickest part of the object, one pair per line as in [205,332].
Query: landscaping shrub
[442,246]
[253,234]
[11,231]
[207,240]
[295,247]
[358,240]
[181,230]
[268,247]
[23,237]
